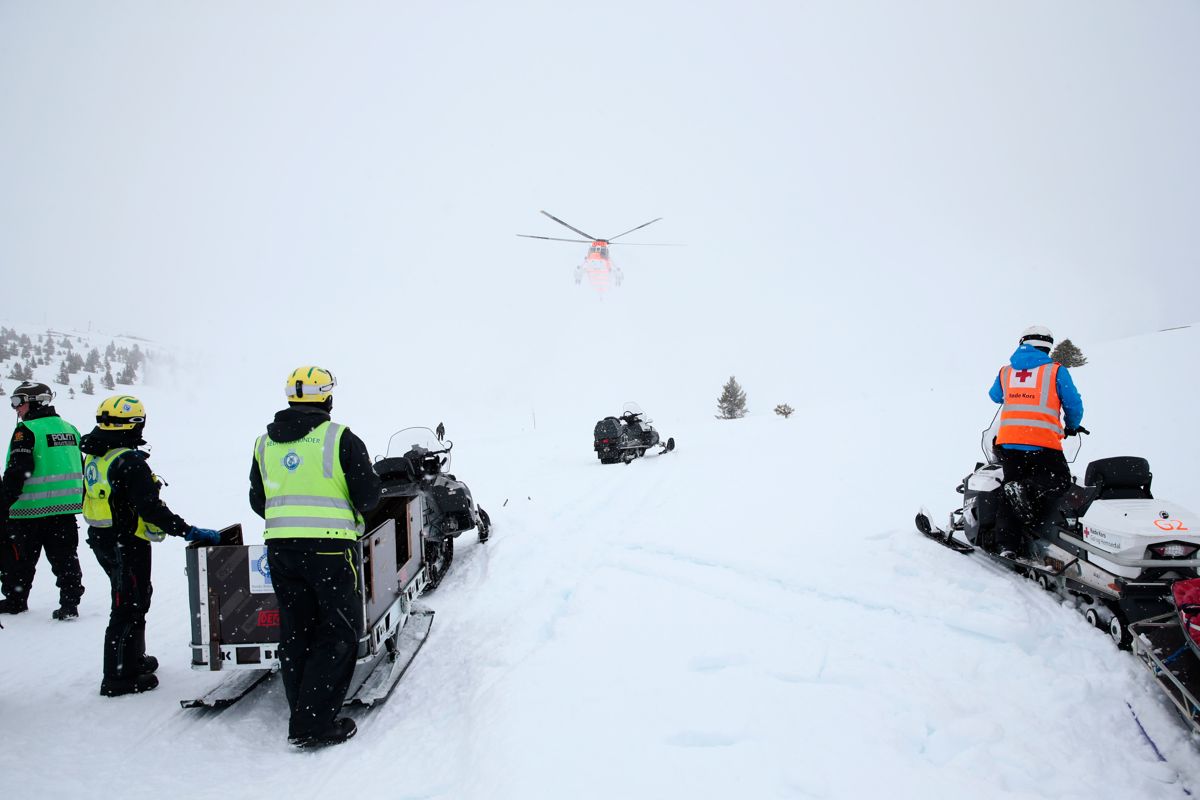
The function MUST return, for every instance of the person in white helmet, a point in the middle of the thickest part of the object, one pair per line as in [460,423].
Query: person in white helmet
[1040,407]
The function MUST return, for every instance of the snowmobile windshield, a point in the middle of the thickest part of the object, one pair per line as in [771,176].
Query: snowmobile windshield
[633,409]
[408,439]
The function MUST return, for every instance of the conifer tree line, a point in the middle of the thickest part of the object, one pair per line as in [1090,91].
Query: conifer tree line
[22,354]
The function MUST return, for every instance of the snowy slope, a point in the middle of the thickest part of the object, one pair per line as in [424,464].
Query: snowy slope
[752,615]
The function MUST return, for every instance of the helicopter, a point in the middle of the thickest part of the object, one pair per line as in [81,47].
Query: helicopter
[597,266]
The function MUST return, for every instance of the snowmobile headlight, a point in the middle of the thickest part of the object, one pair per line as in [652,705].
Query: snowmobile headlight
[1173,550]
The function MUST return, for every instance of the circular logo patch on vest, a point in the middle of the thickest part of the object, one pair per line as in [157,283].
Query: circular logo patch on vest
[292,461]
[92,474]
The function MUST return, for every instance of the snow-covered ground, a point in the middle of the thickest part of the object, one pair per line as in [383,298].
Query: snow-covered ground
[752,615]
[875,198]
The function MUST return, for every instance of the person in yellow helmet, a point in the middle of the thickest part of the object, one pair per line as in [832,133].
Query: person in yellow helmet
[312,481]
[125,514]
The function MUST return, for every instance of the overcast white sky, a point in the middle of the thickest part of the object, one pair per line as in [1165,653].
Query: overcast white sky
[315,179]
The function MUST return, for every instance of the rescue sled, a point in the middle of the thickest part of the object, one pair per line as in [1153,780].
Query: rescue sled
[1169,646]
[235,613]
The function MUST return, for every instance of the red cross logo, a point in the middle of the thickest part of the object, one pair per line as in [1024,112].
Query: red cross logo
[1023,374]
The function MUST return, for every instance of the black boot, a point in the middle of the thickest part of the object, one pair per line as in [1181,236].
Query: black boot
[149,665]
[1020,500]
[115,687]
[66,611]
[341,730]
[12,605]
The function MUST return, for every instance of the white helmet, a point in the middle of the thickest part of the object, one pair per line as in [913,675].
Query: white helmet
[1037,336]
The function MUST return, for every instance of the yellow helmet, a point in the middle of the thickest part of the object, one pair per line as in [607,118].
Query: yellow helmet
[121,412]
[309,385]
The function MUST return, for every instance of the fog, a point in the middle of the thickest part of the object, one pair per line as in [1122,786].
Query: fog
[866,190]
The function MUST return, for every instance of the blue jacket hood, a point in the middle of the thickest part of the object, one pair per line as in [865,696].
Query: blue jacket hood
[1027,356]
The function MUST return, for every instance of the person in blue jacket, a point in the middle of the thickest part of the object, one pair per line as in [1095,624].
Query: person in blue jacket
[1040,406]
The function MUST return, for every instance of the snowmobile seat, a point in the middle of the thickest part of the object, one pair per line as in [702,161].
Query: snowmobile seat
[1120,478]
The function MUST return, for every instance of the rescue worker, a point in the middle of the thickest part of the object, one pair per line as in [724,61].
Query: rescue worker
[1040,406]
[125,514]
[42,492]
[312,481]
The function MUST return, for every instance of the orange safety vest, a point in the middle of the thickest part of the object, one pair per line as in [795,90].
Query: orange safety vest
[1031,411]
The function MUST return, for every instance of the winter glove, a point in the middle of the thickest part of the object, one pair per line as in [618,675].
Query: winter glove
[1078,430]
[204,536]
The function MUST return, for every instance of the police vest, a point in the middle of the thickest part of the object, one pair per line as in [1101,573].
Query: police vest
[307,494]
[97,510]
[1030,414]
[55,487]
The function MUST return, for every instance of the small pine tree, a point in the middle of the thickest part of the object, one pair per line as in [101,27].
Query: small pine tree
[2,392]
[128,375]
[63,376]
[71,393]
[784,410]
[88,387]
[110,352]
[92,362]
[66,343]
[27,372]
[107,381]
[732,402]
[1067,354]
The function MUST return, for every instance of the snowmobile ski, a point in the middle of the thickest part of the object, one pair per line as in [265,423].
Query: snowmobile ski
[229,691]
[944,538]
[409,639]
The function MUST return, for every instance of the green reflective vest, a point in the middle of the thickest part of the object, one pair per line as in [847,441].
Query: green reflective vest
[97,510]
[307,495]
[56,485]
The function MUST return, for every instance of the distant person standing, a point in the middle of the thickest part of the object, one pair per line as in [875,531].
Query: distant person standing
[42,491]
[1040,406]
[124,515]
[312,480]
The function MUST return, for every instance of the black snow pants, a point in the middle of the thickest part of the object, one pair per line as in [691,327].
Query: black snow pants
[320,622]
[1046,477]
[21,547]
[126,560]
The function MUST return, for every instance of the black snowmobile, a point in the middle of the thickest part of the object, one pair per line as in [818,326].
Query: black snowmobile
[627,437]
[1109,544]
[449,508]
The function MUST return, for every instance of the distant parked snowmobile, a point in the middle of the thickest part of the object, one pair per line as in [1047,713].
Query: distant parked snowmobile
[449,509]
[626,437]
[1110,543]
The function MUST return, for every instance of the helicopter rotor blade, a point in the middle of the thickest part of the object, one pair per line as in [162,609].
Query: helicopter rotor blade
[554,238]
[647,244]
[638,228]
[572,227]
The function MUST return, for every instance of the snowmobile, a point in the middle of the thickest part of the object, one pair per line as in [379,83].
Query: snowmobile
[627,437]
[449,510]
[235,613]
[1109,543]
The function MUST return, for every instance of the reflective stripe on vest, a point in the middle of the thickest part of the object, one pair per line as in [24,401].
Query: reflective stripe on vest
[55,487]
[306,492]
[97,510]
[1031,411]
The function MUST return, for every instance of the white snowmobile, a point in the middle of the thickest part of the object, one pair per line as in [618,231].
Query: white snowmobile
[1110,543]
